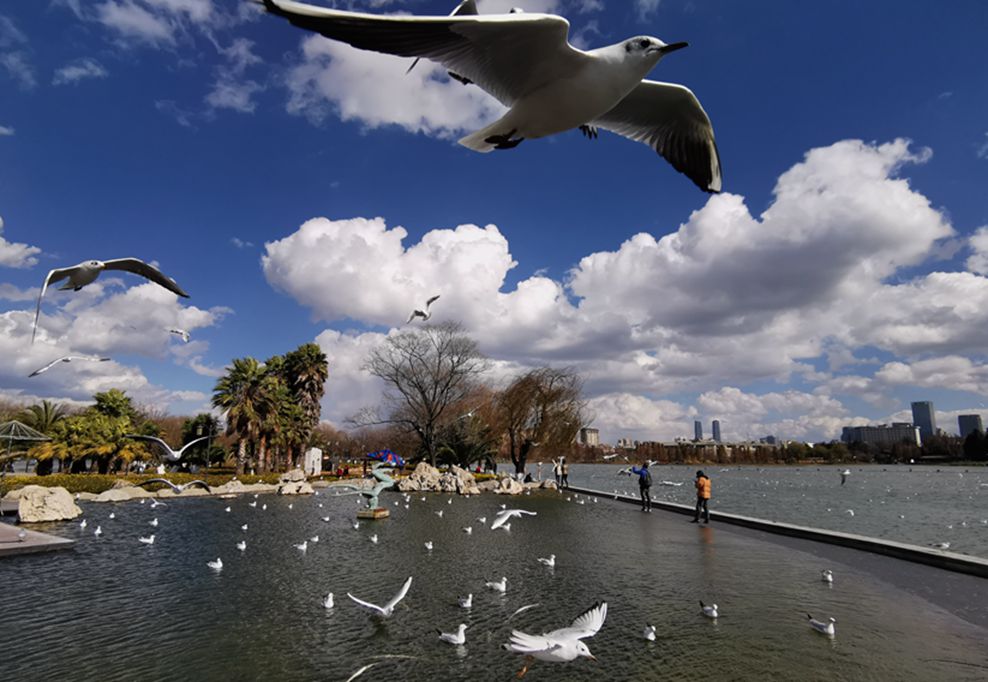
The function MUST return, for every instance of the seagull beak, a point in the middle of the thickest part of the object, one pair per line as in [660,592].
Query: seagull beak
[666,49]
[592,657]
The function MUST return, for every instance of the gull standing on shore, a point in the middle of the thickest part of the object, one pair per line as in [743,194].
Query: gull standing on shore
[526,62]
[86,272]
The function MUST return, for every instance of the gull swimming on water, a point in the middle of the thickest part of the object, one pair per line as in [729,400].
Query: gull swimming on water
[242,545]
[709,611]
[465,602]
[649,633]
[303,547]
[506,514]
[498,586]
[328,601]
[65,358]
[216,565]
[98,531]
[153,522]
[243,527]
[425,315]
[388,608]
[83,524]
[86,273]
[550,562]
[827,576]
[562,645]
[824,628]
[526,62]
[428,546]
[148,540]
[170,455]
[457,638]
[843,476]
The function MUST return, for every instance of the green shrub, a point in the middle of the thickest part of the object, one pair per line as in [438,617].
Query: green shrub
[97,483]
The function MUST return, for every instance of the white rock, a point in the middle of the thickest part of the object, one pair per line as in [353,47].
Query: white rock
[38,503]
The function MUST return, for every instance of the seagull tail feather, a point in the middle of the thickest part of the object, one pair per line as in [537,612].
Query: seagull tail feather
[477,141]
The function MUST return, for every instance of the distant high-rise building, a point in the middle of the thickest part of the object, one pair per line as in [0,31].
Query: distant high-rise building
[968,423]
[715,426]
[697,430]
[883,434]
[925,419]
[590,436]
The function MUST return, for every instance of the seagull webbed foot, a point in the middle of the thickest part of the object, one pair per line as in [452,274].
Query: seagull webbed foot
[504,141]
[589,131]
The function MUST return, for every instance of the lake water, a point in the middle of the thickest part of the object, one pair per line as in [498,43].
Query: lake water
[114,609]
[917,505]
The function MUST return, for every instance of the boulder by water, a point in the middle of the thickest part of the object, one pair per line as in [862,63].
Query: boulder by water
[295,488]
[123,494]
[37,503]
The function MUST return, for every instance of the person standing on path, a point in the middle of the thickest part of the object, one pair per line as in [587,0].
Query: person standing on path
[702,497]
[557,471]
[644,486]
[564,471]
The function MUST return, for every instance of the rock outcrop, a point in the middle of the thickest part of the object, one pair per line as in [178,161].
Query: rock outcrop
[123,494]
[424,478]
[295,488]
[293,476]
[509,486]
[427,478]
[37,503]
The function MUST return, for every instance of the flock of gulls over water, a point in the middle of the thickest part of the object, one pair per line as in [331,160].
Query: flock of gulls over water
[523,60]
[561,645]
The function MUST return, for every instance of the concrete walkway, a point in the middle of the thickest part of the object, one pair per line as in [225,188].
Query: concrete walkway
[33,541]
[962,563]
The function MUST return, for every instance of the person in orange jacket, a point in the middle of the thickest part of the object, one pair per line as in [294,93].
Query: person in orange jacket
[702,497]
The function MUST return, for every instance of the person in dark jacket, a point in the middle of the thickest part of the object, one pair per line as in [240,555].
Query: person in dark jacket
[644,485]
[702,497]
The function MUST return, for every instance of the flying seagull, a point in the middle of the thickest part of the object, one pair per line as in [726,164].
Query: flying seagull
[424,315]
[171,455]
[506,514]
[65,358]
[388,608]
[86,273]
[182,333]
[564,644]
[526,62]
[177,488]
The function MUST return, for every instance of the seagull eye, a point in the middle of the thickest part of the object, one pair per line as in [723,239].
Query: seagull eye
[643,43]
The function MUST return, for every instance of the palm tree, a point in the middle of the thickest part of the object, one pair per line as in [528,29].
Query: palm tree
[306,370]
[43,418]
[240,394]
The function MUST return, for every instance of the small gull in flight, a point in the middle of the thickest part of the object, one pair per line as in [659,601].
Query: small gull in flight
[504,515]
[86,273]
[388,608]
[182,333]
[65,358]
[566,88]
[426,314]
[177,488]
[170,455]
[562,645]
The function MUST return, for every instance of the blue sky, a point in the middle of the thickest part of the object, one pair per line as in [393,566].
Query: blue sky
[304,191]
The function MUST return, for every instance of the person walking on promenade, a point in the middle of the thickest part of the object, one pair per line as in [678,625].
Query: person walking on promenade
[564,471]
[702,497]
[644,485]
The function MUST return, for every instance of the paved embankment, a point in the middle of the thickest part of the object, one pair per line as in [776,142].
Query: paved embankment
[11,543]
[950,561]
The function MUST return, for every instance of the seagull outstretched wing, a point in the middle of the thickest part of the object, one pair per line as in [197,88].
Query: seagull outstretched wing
[507,55]
[139,267]
[506,514]
[55,275]
[160,480]
[401,595]
[669,119]
[587,624]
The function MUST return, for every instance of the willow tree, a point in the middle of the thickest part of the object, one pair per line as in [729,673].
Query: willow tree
[427,372]
[541,408]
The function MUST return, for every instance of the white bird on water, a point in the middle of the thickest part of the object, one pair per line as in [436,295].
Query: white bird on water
[505,527]
[356,525]
[328,601]
[504,515]
[439,513]
[468,529]
[482,520]
[86,272]
[498,586]
[216,565]
[373,538]
[425,315]
[428,546]
[709,611]
[252,504]
[314,538]
[459,637]
[243,527]
[303,547]
[649,633]
[827,576]
[550,562]
[242,545]
[98,531]
[112,516]
[562,645]
[940,545]
[148,540]
[65,358]
[388,608]
[83,524]
[465,602]
[570,88]
[827,628]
